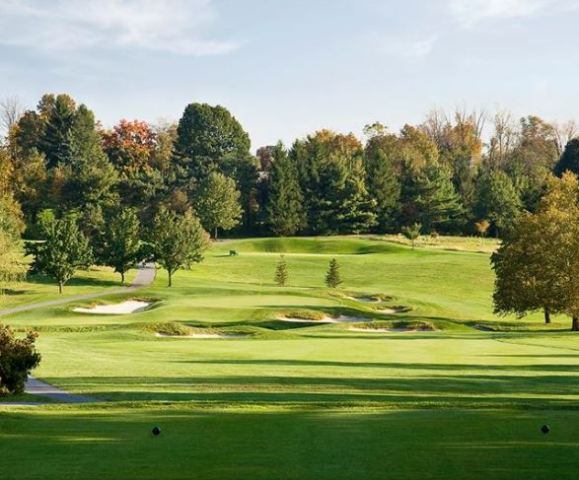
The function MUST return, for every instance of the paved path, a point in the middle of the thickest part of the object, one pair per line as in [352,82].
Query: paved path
[38,387]
[144,277]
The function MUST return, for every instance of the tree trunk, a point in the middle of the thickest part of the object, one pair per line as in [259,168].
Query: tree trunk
[575,325]
[60,287]
[547,315]
[122,279]
[170,278]
[215,233]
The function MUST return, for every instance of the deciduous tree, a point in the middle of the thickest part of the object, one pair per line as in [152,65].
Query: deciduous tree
[177,241]
[65,250]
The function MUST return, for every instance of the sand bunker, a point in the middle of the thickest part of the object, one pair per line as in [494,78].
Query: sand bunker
[365,299]
[203,335]
[326,319]
[130,306]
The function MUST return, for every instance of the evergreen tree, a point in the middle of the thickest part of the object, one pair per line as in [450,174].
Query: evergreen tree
[60,114]
[121,246]
[218,203]
[65,250]
[333,277]
[384,188]
[285,210]
[437,202]
[281,272]
[497,199]
[569,161]
[412,233]
[177,241]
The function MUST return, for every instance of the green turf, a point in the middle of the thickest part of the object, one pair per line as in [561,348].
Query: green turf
[295,400]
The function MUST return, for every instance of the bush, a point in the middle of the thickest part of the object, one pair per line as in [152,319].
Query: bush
[17,357]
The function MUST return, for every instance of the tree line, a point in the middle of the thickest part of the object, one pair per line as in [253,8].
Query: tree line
[58,163]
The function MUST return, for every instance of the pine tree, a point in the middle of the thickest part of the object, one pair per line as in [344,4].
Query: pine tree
[333,277]
[281,272]
[569,161]
[438,204]
[412,233]
[497,199]
[285,210]
[384,188]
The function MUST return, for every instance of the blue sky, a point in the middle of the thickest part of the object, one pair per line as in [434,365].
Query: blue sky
[286,68]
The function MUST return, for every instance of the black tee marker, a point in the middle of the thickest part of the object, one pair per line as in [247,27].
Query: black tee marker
[545,429]
[156,431]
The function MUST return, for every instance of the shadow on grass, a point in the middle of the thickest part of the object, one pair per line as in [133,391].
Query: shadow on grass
[78,281]
[443,389]
[298,444]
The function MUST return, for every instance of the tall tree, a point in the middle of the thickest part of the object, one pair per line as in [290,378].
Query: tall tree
[55,142]
[569,161]
[285,210]
[206,134]
[537,264]
[121,246]
[177,241]
[64,250]
[218,203]
[497,199]
[384,188]
[438,203]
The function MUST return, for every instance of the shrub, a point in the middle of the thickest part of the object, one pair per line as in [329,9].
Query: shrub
[17,357]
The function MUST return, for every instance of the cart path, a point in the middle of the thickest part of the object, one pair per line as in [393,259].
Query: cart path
[144,278]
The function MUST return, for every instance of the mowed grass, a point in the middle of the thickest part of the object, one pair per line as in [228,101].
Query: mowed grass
[304,400]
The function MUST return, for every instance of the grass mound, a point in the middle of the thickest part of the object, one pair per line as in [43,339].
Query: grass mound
[398,325]
[313,315]
[325,246]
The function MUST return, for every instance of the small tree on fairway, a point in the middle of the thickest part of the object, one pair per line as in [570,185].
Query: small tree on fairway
[333,277]
[281,272]
[218,203]
[121,244]
[64,250]
[412,232]
[177,241]
[17,357]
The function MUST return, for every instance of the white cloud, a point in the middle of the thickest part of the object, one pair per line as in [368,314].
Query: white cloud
[177,26]
[403,47]
[471,12]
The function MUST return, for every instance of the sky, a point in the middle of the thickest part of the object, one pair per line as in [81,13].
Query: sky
[286,68]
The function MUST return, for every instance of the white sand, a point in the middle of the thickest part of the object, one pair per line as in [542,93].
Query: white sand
[364,299]
[340,319]
[201,335]
[130,306]
[388,310]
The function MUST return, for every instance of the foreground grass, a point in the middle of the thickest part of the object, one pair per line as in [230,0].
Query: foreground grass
[300,443]
[304,400]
